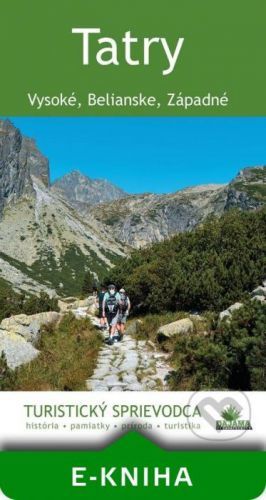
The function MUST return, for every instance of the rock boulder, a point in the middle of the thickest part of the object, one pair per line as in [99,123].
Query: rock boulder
[227,313]
[180,327]
[18,334]
[28,327]
[260,291]
[17,350]
[259,298]
[72,303]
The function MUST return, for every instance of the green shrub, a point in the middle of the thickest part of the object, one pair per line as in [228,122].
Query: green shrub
[208,268]
[245,340]
[89,283]
[199,364]
[42,303]
[12,303]
[231,357]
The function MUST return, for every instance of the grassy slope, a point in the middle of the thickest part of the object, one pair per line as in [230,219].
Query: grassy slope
[4,286]
[69,270]
[67,359]
[256,191]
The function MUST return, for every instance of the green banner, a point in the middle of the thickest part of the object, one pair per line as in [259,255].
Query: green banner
[174,58]
[129,467]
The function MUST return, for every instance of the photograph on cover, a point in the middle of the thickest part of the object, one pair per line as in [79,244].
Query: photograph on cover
[132,254]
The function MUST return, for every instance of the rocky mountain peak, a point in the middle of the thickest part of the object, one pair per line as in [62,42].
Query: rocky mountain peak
[78,188]
[252,174]
[73,175]
[6,127]
[38,163]
[19,160]
[247,190]
[15,180]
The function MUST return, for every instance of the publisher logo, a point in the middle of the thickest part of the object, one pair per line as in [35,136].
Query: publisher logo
[232,420]
[221,414]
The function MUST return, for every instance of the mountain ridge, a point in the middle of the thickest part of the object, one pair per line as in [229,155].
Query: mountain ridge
[139,220]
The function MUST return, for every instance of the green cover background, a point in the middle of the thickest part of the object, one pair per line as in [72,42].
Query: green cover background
[224,50]
[215,475]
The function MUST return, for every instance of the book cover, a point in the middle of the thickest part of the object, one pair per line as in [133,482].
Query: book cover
[132,249]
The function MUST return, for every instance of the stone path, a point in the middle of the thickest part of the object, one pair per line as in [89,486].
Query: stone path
[130,365]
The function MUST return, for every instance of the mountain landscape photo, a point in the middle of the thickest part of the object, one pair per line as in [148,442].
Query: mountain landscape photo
[183,256]
[45,243]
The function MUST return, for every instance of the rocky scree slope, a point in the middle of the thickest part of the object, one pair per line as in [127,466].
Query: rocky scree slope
[44,243]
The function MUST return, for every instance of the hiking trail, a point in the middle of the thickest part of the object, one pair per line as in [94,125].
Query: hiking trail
[130,365]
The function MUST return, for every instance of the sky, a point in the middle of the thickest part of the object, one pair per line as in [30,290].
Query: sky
[158,155]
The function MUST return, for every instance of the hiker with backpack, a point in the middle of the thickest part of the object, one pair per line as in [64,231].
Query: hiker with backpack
[124,308]
[101,294]
[111,311]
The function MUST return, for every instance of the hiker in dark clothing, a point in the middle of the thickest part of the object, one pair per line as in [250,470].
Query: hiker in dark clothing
[101,294]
